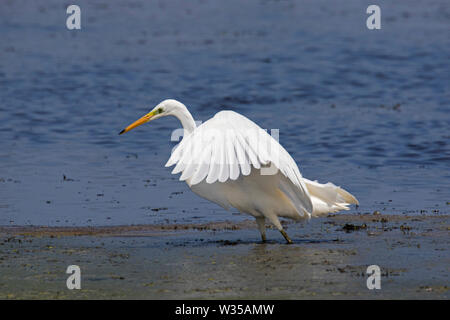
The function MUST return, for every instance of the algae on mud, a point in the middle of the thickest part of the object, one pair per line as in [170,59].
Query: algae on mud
[225,260]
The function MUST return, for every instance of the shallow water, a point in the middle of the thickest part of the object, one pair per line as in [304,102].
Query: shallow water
[367,110]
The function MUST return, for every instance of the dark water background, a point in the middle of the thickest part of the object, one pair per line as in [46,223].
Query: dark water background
[367,110]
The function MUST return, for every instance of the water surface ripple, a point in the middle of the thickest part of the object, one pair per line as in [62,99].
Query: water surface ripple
[368,110]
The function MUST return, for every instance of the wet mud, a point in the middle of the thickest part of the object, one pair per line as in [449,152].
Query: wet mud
[329,259]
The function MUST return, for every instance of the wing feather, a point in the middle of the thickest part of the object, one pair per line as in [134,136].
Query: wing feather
[224,164]
[244,162]
[232,159]
[227,146]
[214,167]
[203,167]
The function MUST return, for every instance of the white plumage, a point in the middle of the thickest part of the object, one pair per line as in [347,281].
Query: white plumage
[231,161]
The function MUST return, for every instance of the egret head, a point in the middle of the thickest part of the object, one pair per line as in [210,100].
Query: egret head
[165,108]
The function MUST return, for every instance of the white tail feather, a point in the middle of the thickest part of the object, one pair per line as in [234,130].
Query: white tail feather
[328,198]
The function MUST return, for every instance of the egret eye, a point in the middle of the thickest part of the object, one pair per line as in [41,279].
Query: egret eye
[160,110]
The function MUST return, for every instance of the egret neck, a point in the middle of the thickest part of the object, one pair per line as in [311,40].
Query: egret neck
[182,113]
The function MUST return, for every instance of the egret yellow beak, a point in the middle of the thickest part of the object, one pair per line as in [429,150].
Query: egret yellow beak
[138,122]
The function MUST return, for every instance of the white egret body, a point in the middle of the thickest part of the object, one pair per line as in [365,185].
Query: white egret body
[231,161]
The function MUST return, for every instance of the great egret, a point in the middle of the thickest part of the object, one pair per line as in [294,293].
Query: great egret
[231,161]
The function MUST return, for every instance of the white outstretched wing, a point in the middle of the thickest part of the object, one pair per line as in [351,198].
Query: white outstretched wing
[227,146]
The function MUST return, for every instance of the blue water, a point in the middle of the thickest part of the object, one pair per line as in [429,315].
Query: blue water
[367,110]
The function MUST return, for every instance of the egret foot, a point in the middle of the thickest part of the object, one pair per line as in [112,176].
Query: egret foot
[263,238]
[261,222]
[288,240]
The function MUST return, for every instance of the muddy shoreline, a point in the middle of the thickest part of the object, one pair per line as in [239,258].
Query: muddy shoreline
[212,226]
[328,259]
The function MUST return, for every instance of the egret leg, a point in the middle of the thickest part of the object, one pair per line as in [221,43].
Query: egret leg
[288,240]
[261,221]
[277,224]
